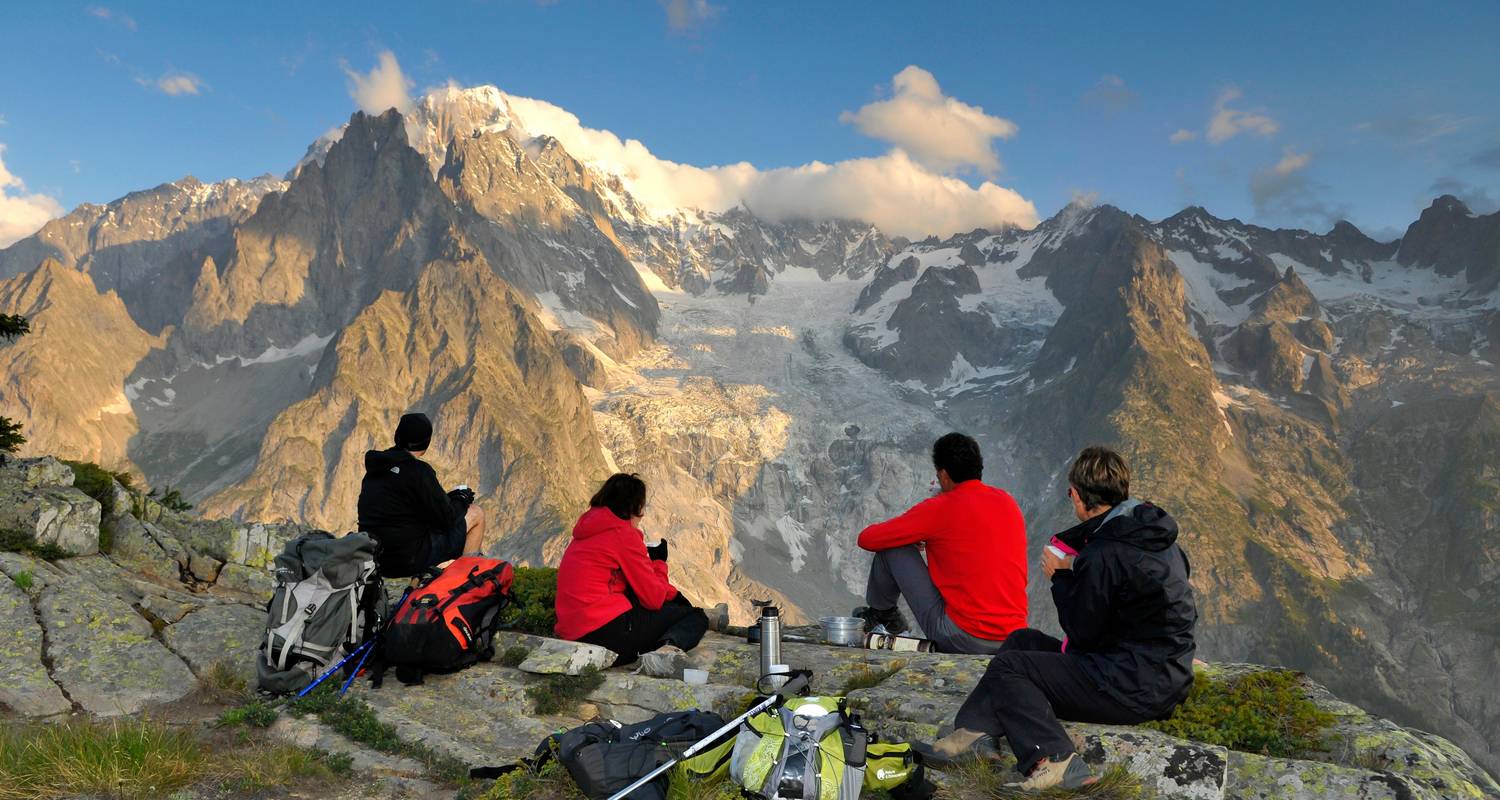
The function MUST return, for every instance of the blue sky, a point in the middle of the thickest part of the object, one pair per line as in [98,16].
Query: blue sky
[1363,111]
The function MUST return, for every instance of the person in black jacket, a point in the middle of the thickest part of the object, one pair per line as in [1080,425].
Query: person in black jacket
[1127,610]
[404,508]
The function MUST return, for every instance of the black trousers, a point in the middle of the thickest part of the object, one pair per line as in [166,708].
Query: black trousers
[1031,684]
[641,630]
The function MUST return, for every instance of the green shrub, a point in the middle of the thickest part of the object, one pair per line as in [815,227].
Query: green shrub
[535,609]
[255,714]
[548,782]
[98,483]
[554,694]
[170,499]
[10,437]
[23,580]
[513,656]
[12,541]
[1261,712]
[552,782]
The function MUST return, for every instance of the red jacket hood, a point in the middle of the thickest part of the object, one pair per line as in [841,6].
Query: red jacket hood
[598,521]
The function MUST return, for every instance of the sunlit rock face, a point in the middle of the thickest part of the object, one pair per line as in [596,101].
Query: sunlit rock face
[1318,410]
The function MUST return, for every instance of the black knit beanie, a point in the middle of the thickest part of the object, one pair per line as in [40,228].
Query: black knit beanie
[414,432]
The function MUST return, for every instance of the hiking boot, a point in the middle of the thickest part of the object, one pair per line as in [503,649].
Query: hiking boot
[666,661]
[958,746]
[1067,773]
[718,617]
[889,618]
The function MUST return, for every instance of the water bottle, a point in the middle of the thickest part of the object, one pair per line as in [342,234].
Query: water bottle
[770,639]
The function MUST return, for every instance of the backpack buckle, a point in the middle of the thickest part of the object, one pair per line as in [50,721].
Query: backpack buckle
[311,609]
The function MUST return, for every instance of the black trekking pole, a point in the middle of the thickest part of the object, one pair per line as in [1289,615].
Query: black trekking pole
[790,688]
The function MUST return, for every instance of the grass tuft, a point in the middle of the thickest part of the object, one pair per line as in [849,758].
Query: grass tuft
[1261,712]
[981,780]
[554,694]
[271,766]
[124,758]
[225,684]
[23,580]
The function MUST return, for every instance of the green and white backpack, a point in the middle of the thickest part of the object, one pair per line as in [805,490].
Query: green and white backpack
[812,749]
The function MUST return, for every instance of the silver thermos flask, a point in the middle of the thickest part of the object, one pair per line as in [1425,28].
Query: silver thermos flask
[770,639]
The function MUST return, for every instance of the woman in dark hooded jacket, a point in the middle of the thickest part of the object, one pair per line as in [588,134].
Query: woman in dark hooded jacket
[1120,583]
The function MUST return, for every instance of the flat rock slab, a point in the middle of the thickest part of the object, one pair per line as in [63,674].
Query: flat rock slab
[1253,777]
[227,633]
[308,733]
[36,571]
[102,652]
[557,657]
[480,715]
[24,685]
[632,698]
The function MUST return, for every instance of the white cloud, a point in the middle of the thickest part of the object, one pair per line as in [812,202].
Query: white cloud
[687,15]
[1282,193]
[21,214]
[940,132]
[1291,161]
[110,15]
[1182,135]
[1227,123]
[1416,129]
[893,191]
[384,87]
[1110,95]
[175,84]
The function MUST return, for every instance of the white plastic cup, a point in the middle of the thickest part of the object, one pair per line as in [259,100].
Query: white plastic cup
[696,677]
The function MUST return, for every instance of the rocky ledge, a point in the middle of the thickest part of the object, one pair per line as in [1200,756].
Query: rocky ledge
[176,598]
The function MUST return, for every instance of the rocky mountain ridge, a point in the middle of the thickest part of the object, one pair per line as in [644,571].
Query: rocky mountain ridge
[175,604]
[1318,410]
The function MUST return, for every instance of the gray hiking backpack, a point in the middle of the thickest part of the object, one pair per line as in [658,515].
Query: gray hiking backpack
[327,601]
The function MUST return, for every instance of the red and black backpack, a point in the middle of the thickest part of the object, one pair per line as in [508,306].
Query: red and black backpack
[449,620]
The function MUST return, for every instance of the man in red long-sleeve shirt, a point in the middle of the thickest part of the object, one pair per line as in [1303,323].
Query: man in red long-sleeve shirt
[970,591]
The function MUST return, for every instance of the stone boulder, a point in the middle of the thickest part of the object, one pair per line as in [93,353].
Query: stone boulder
[38,501]
[556,657]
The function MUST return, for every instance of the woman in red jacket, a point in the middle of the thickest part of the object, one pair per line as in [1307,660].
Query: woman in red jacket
[612,590]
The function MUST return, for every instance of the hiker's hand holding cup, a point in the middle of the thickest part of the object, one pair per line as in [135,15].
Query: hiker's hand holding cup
[1054,559]
[658,551]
